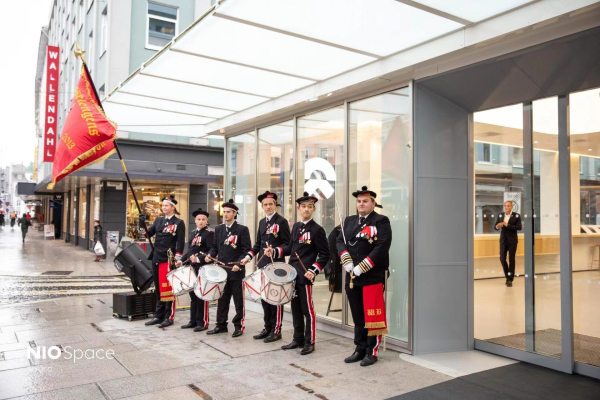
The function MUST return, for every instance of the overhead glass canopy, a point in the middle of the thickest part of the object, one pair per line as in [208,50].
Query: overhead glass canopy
[244,53]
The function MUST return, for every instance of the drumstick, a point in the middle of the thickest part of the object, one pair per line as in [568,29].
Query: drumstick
[213,259]
[271,256]
[301,263]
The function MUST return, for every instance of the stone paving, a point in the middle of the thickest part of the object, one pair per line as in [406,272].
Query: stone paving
[154,363]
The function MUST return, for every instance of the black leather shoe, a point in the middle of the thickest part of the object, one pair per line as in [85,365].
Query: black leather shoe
[509,284]
[355,357]
[188,326]
[153,321]
[165,323]
[273,337]
[307,349]
[263,334]
[237,333]
[368,360]
[216,330]
[293,345]
[200,328]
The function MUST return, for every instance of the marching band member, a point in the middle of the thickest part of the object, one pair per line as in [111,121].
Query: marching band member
[364,252]
[201,240]
[309,243]
[231,244]
[170,235]
[273,231]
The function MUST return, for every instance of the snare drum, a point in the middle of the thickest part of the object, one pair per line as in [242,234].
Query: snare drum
[211,282]
[252,285]
[277,283]
[182,280]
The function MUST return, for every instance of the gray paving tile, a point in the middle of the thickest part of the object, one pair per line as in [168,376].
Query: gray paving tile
[291,392]
[7,338]
[38,334]
[14,364]
[62,340]
[48,377]
[13,346]
[87,392]
[34,326]
[156,381]
[169,355]
[180,393]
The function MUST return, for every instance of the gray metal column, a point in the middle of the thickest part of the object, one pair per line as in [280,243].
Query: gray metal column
[529,226]
[566,268]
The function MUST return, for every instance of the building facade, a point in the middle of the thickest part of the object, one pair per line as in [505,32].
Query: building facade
[447,116]
[118,36]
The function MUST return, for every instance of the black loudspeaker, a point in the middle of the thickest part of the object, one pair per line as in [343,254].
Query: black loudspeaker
[135,264]
[130,304]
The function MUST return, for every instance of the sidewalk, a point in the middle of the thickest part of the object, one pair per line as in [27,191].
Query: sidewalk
[172,363]
[37,256]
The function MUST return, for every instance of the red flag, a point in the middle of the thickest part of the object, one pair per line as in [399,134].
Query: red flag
[87,135]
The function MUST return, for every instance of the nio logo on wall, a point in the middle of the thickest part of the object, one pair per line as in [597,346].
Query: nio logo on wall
[319,173]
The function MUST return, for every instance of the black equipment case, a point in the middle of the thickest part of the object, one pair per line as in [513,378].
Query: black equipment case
[135,264]
[131,304]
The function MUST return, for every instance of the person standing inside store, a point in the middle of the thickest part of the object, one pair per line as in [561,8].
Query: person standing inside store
[170,235]
[201,240]
[25,224]
[364,251]
[309,253]
[1,219]
[273,231]
[508,223]
[231,244]
[97,237]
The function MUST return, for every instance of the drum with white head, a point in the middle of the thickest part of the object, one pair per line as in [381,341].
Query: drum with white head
[182,280]
[252,285]
[211,282]
[278,283]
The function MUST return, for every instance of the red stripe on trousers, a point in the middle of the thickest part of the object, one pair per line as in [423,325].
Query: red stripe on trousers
[312,313]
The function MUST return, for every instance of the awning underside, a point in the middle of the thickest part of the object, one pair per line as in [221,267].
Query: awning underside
[247,52]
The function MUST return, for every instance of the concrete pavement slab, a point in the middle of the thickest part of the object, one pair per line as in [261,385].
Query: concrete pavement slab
[38,334]
[156,381]
[87,392]
[180,393]
[48,377]
[14,364]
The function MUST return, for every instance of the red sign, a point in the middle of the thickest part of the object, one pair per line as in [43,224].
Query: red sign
[87,135]
[50,126]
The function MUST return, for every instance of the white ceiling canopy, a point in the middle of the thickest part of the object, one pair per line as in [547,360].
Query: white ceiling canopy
[243,54]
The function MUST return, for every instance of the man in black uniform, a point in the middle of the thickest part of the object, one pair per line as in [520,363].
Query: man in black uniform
[231,244]
[170,235]
[508,223]
[308,242]
[273,231]
[201,240]
[363,248]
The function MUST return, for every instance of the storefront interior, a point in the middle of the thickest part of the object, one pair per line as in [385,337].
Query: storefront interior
[332,152]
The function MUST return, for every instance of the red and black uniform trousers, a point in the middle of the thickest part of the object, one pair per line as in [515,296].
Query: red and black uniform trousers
[164,309]
[198,307]
[303,313]
[365,344]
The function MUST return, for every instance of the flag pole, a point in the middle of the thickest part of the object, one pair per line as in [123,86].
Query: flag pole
[79,53]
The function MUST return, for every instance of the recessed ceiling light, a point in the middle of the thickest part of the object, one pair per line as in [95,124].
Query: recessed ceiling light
[535,141]
[589,149]
[313,99]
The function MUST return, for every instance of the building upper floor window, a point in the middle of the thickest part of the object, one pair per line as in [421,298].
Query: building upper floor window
[103,31]
[162,25]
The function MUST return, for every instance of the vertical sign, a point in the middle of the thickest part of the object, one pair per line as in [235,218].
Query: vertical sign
[50,126]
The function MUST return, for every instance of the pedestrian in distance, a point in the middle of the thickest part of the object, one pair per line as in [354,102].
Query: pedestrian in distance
[1,219]
[25,224]
[13,218]
[97,237]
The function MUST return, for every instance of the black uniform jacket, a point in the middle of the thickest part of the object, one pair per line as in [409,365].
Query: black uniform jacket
[368,244]
[232,246]
[170,234]
[508,233]
[310,242]
[277,233]
[200,240]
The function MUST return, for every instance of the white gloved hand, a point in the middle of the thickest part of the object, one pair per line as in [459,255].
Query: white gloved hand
[178,257]
[348,267]
[357,271]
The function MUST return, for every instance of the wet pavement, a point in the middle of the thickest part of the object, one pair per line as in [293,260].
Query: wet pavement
[73,312]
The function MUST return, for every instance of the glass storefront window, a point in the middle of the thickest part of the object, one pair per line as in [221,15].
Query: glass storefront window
[73,213]
[149,196]
[65,212]
[94,210]
[321,165]
[82,211]
[585,223]
[215,201]
[241,155]
[276,165]
[379,158]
